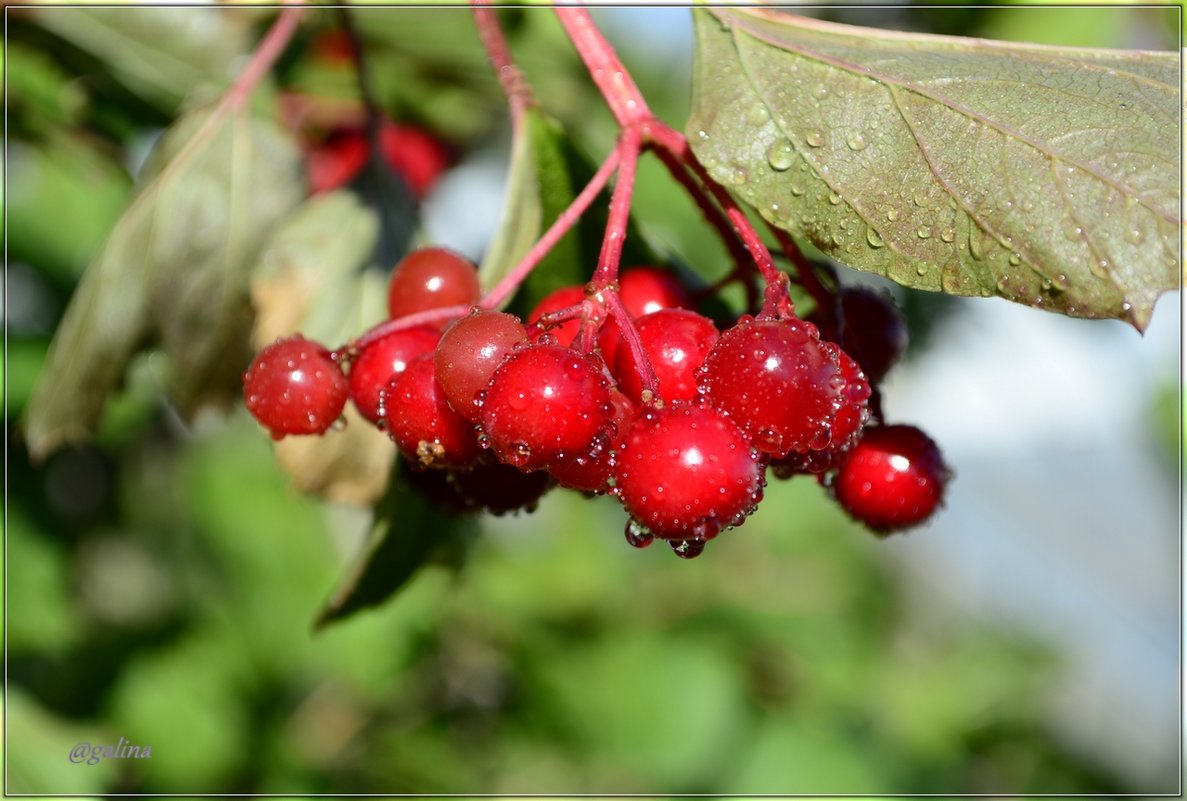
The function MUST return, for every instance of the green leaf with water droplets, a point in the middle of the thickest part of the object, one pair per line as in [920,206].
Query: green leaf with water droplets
[1047,176]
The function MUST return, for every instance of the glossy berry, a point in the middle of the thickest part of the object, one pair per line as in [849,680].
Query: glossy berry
[414,155]
[676,342]
[893,479]
[470,351]
[380,361]
[431,278]
[562,298]
[591,471]
[643,290]
[294,386]
[870,328]
[846,430]
[686,471]
[545,403]
[778,382]
[424,428]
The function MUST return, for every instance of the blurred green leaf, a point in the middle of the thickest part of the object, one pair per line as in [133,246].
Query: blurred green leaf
[42,618]
[406,534]
[858,140]
[61,178]
[161,53]
[38,747]
[174,269]
[41,94]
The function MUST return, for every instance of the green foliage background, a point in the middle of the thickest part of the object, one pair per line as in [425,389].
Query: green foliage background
[162,580]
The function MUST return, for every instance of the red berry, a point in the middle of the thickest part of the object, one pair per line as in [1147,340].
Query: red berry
[337,161]
[562,298]
[778,382]
[591,472]
[847,426]
[431,278]
[414,154]
[499,488]
[868,326]
[545,403]
[425,429]
[294,386]
[676,342]
[643,290]
[893,479]
[376,364]
[687,471]
[470,351]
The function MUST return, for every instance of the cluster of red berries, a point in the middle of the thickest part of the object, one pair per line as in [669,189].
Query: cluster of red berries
[679,421]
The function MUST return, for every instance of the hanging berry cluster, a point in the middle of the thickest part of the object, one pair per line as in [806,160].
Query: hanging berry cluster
[620,386]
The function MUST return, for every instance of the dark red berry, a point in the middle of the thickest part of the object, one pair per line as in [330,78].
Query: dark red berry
[643,290]
[377,363]
[591,471]
[470,351]
[686,471]
[499,488]
[562,298]
[778,382]
[294,386]
[868,326]
[676,342]
[425,429]
[893,479]
[417,156]
[545,403]
[431,278]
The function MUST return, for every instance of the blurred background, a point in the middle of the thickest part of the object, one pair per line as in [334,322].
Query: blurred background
[162,580]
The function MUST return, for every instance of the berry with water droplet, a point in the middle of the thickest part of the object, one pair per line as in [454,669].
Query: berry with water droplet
[470,351]
[893,479]
[425,429]
[591,471]
[676,342]
[294,386]
[431,278]
[379,362]
[778,382]
[545,403]
[684,467]
[643,290]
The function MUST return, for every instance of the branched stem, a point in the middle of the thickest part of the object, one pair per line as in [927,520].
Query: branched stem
[630,337]
[804,268]
[505,288]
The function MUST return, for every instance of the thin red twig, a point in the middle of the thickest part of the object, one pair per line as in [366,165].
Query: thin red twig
[615,83]
[269,49]
[620,208]
[519,96]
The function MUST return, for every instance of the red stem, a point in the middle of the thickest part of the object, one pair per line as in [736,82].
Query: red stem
[269,49]
[775,298]
[387,327]
[519,96]
[505,288]
[615,83]
[630,335]
[627,150]
[805,268]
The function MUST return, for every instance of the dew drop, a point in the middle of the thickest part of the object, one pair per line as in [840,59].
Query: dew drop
[834,199]
[892,214]
[873,239]
[757,114]
[821,92]
[1015,260]
[921,269]
[1003,284]
[924,232]
[637,534]
[856,141]
[814,138]
[738,175]
[948,235]
[921,199]
[796,189]
[339,424]
[781,155]
[687,549]
[1059,282]
[1134,234]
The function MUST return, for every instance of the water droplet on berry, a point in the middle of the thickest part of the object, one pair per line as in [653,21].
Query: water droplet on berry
[687,549]
[637,535]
